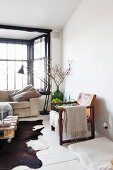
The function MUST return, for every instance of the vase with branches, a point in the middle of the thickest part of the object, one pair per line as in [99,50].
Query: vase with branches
[58,75]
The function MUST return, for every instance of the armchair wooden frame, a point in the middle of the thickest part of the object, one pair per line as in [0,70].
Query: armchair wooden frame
[90,119]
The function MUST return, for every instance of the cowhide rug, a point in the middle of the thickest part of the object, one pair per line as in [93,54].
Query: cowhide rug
[17,152]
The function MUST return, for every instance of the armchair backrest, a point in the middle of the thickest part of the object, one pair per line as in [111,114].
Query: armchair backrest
[85,99]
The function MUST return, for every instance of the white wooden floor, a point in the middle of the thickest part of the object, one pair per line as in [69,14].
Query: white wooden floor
[54,157]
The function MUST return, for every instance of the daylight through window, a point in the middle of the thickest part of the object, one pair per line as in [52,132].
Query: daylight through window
[31,54]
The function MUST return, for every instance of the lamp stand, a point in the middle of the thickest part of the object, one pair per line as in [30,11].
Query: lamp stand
[45,111]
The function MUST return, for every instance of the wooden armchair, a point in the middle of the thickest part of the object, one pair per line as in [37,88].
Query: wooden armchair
[84,99]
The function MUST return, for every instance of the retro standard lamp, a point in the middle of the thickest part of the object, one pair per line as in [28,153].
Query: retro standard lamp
[21,71]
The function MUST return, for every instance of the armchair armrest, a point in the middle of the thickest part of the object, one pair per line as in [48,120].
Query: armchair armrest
[55,106]
[61,103]
[89,107]
[34,106]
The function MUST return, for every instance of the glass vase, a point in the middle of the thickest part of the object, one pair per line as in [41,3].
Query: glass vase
[57,95]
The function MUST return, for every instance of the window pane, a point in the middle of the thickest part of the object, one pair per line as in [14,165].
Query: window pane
[3,51]
[39,48]
[8,69]
[20,51]
[3,75]
[39,56]
[37,51]
[10,51]
[24,49]
[39,74]
[43,49]
[11,75]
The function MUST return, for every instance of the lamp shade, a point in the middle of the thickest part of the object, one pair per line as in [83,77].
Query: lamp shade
[21,70]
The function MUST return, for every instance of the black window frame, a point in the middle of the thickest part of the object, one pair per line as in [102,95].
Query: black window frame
[30,43]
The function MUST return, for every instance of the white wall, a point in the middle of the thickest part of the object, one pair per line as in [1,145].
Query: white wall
[55,51]
[88,41]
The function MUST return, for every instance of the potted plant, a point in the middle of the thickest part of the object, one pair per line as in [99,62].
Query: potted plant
[57,74]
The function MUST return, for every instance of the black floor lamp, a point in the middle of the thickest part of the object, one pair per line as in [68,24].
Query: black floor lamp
[45,111]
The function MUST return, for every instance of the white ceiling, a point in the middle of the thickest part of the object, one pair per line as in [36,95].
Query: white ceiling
[4,33]
[48,14]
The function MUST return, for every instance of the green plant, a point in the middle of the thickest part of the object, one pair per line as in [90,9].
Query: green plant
[56,100]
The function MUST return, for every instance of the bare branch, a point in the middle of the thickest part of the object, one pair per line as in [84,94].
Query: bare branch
[58,75]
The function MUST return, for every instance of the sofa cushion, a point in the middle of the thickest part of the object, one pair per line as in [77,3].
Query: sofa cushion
[21,90]
[25,94]
[20,105]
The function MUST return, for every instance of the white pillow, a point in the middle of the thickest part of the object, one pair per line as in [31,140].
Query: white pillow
[95,154]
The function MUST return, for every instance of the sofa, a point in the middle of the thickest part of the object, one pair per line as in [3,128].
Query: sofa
[25,108]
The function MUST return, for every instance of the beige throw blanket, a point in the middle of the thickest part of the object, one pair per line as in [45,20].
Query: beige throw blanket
[75,121]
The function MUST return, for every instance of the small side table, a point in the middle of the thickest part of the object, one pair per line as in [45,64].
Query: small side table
[8,132]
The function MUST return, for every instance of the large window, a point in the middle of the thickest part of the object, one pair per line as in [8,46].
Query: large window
[13,54]
[32,54]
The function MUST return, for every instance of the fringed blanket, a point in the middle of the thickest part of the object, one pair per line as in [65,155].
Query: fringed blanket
[75,121]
